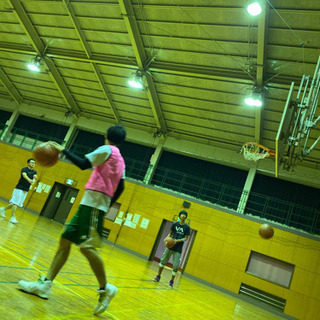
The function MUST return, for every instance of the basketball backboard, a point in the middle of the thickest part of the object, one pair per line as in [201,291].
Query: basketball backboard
[285,129]
[299,118]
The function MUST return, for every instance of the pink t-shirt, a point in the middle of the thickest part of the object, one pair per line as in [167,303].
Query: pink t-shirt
[109,168]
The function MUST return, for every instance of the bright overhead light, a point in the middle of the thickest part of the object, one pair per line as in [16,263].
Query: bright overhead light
[35,64]
[254,9]
[33,67]
[136,81]
[254,100]
[135,84]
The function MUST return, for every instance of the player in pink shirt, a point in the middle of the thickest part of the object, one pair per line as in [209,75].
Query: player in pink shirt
[105,185]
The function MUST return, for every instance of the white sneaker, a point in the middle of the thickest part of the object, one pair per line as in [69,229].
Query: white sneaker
[13,220]
[40,288]
[2,212]
[105,298]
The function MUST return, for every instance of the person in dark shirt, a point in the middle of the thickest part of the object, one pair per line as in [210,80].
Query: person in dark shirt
[180,231]
[28,177]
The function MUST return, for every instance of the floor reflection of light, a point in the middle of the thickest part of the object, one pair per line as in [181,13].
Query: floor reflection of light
[33,260]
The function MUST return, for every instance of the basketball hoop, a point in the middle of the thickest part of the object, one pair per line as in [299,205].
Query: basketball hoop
[253,151]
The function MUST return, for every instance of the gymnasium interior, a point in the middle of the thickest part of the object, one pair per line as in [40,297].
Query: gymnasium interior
[221,107]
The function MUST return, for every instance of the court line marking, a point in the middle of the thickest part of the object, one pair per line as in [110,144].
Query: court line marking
[72,316]
[65,286]
[60,317]
[56,282]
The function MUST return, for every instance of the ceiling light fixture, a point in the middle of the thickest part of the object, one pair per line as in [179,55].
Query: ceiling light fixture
[136,80]
[254,100]
[254,9]
[35,64]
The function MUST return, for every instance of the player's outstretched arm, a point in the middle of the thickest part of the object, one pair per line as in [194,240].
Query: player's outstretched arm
[81,162]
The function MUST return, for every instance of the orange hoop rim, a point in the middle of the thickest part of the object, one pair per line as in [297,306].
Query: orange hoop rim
[264,152]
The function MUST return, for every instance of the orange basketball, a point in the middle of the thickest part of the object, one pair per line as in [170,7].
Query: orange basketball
[46,155]
[169,242]
[266,231]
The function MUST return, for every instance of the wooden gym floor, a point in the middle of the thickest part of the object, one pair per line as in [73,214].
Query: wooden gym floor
[26,250]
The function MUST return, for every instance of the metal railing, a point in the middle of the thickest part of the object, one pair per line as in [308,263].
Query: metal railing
[284,212]
[80,150]
[200,188]
[27,139]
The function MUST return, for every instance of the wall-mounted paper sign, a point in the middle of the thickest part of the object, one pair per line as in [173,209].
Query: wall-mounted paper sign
[136,218]
[120,215]
[129,216]
[130,224]
[39,187]
[144,223]
[127,223]
[118,221]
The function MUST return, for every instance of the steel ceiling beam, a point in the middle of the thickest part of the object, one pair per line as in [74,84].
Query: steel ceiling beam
[40,49]
[261,62]
[10,87]
[142,60]
[283,81]
[156,66]
[88,52]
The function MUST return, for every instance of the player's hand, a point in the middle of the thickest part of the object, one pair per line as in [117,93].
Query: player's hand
[56,145]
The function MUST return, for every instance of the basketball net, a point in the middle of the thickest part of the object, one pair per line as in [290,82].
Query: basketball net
[253,151]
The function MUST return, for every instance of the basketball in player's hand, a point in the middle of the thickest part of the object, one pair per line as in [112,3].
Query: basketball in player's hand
[169,242]
[266,231]
[46,155]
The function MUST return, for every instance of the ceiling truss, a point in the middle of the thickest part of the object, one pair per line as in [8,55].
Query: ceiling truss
[41,52]
[142,60]
[87,50]
[10,87]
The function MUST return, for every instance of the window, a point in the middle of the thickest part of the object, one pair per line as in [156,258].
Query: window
[270,269]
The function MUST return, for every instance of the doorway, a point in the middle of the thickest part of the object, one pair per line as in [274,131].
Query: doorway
[59,202]
[159,245]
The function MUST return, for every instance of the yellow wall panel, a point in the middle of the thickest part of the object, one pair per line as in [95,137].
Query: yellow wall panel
[146,245]
[312,310]
[226,278]
[107,224]
[204,269]
[114,232]
[306,253]
[304,282]
[296,305]
[315,290]
[236,253]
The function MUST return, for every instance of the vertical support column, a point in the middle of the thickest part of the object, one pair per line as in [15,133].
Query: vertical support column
[246,190]
[68,139]
[154,161]
[9,125]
